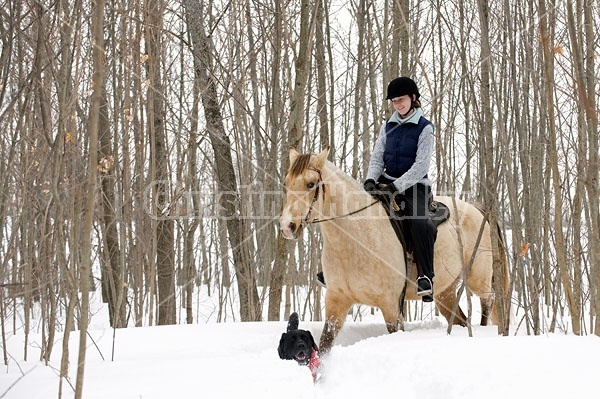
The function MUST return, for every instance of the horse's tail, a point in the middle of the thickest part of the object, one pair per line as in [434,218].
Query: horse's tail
[505,268]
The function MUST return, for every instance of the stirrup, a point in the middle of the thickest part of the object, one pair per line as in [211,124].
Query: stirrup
[424,286]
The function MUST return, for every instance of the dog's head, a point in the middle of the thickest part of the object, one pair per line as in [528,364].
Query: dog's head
[296,344]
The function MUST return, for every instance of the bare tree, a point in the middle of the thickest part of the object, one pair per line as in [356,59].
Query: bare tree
[113,289]
[294,139]
[490,185]
[163,227]
[88,213]
[228,192]
[547,39]
[582,45]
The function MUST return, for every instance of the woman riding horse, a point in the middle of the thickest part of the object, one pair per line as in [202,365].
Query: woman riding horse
[398,173]
[400,163]
[362,259]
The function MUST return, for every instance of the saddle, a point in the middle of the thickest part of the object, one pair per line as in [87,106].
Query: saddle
[438,213]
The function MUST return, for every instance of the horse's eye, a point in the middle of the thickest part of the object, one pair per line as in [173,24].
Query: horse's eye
[310,185]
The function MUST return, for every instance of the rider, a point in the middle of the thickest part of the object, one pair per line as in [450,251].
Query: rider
[398,167]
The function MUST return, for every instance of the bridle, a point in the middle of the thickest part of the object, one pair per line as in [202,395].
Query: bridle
[320,183]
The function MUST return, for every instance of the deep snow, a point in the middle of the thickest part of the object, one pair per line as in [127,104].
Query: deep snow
[239,360]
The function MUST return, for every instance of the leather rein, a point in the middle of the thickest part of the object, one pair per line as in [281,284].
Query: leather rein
[320,183]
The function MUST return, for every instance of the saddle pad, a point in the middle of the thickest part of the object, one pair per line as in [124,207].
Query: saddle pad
[438,212]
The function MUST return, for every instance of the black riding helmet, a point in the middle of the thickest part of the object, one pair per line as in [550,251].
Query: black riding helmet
[402,86]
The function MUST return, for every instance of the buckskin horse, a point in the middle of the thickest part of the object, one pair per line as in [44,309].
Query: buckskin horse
[362,259]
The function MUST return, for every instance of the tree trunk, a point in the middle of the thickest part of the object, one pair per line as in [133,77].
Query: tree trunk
[321,64]
[548,75]
[403,7]
[359,88]
[88,212]
[303,58]
[113,290]
[159,153]
[294,139]
[228,194]
[583,45]
[491,184]
[593,173]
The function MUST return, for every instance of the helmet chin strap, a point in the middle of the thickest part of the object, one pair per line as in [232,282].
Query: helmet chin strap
[412,107]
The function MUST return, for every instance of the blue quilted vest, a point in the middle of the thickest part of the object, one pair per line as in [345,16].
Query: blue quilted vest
[401,146]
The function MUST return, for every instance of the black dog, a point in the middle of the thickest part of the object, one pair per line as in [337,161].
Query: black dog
[299,345]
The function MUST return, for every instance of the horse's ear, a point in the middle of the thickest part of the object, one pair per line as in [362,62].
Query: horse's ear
[322,157]
[293,155]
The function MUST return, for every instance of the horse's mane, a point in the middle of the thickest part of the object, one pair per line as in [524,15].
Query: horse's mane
[344,176]
[302,163]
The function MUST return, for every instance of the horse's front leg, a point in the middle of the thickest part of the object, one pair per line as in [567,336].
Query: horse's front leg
[336,308]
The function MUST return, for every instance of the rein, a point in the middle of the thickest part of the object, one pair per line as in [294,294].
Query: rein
[345,215]
[316,197]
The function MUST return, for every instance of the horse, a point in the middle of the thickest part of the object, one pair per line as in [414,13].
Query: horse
[362,259]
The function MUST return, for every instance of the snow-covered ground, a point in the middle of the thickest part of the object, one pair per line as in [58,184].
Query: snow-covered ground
[239,360]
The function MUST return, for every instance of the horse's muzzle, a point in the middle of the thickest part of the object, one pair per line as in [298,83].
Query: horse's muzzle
[290,229]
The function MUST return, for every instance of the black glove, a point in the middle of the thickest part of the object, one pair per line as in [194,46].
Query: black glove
[387,195]
[370,185]
[389,190]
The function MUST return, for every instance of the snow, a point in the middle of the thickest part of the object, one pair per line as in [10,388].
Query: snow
[240,360]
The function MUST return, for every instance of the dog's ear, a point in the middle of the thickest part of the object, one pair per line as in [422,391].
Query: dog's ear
[314,344]
[280,347]
[293,322]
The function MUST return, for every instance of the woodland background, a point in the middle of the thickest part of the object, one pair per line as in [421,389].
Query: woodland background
[143,147]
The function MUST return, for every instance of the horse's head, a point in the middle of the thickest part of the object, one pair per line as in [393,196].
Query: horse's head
[304,189]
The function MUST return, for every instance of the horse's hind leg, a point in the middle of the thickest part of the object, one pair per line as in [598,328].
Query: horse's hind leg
[481,285]
[487,309]
[394,320]
[445,303]
[336,308]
